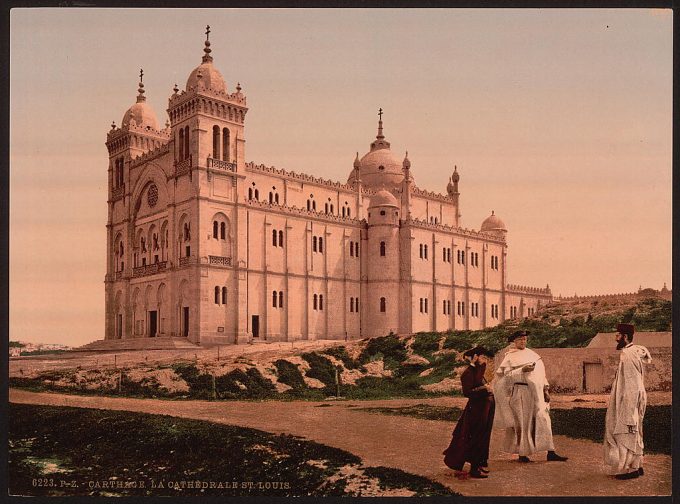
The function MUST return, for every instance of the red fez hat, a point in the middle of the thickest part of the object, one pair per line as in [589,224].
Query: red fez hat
[627,329]
[517,334]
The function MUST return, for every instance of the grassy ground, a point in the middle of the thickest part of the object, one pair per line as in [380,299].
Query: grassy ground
[72,451]
[580,423]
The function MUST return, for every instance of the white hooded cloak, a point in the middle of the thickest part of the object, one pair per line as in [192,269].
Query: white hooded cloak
[627,405]
[521,409]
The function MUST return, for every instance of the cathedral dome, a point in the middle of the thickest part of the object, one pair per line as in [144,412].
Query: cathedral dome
[383,198]
[141,113]
[493,223]
[380,167]
[205,75]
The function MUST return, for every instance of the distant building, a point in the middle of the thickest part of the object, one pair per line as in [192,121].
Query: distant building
[15,351]
[202,245]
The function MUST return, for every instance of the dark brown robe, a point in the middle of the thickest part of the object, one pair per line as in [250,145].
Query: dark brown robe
[470,441]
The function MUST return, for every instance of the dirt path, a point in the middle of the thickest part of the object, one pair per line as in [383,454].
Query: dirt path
[410,444]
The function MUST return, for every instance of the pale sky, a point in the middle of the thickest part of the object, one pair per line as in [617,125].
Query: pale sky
[558,120]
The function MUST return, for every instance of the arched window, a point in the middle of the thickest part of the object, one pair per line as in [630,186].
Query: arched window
[343,211]
[217,295]
[223,230]
[181,143]
[425,250]
[250,193]
[425,305]
[332,208]
[280,299]
[276,198]
[257,195]
[422,305]
[271,197]
[348,213]
[314,205]
[316,301]
[274,299]
[356,304]
[225,144]
[351,305]
[274,237]
[309,205]
[326,208]
[186,142]
[382,248]
[280,238]
[383,306]
[320,301]
[421,250]
[224,295]
[314,243]
[215,225]
[216,142]
[320,244]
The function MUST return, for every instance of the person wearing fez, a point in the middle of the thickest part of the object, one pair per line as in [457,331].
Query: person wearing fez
[521,391]
[470,440]
[627,403]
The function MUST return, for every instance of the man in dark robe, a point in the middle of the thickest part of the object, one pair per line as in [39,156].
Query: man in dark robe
[470,441]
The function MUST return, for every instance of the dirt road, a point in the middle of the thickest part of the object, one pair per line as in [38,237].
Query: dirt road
[410,444]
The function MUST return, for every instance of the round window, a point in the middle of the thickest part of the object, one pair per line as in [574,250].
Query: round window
[381,167]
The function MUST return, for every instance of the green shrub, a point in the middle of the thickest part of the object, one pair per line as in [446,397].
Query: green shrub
[289,374]
[425,344]
[391,348]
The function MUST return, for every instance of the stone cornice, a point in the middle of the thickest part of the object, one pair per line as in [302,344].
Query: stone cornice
[454,230]
[299,177]
[308,214]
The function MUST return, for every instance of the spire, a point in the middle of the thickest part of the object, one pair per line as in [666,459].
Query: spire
[140,90]
[380,126]
[357,164]
[206,57]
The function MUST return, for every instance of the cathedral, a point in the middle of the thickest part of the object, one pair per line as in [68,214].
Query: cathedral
[206,246]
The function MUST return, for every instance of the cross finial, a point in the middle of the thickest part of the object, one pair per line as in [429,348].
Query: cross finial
[141,75]
[380,113]
[207,32]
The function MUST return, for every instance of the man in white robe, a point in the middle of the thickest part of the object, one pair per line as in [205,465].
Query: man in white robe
[627,403]
[523,402]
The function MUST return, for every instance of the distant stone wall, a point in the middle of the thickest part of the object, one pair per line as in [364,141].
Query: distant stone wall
[565,367]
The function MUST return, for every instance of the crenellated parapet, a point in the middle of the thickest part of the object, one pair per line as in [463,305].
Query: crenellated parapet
[301,177]
[231,107]
[455,230]
[422,193]
[615,297]
[135,136]
[303,212]
[522,289]
[150,155]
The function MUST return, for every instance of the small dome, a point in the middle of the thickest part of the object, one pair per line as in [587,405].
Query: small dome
[143,116]
[206,76]
[493,223]
[383,198]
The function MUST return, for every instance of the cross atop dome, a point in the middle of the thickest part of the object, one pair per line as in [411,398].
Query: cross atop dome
[380,126]
[206,57]
[140,90]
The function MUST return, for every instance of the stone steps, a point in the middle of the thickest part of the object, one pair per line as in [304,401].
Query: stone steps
[159,343]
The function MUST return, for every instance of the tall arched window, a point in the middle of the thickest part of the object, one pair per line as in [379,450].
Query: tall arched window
[217,295]
[343,211]
[382,249]
[314,205]
[348,213]
[215,225]
[383,304]
[320,244]
[216,142]
[326,208]
[257,195]
[316,301]
[223,230]
[250,193]
[280,238]
[320,301]
[274,237]
[186,142]
[271,197]
[225,144]
[314,243]
[280,299]
[274,299]
[276,198]
[181,143]
[309,205]
[224,295]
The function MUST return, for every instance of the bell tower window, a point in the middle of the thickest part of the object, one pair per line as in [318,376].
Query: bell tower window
[216,142]
[225,144]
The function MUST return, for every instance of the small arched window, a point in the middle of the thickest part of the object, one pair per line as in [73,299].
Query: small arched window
[274,299]
[309,205]
[348,213]
[257,195]
[314,205]
[181,143]
[320,244]
[223,230]
[271,197]
[320,301]
[314,243]
[382,249]
[316,301]
[186,142]
[276,198]
[421,250]
[216,142]
[280,299]
[425,250]
[280,238]
[224,295]
[274,237]
[326,208]
[217,295]
[332,208]
[343,211]
[383,304]
[215,225]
